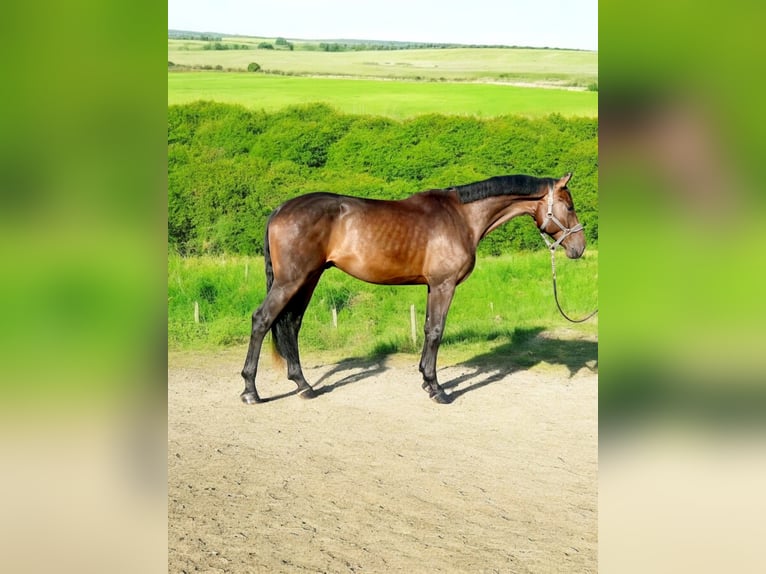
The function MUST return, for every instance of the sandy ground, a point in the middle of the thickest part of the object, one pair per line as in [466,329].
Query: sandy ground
[372,476]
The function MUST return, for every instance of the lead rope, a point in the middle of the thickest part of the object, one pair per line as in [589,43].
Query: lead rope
[556,295]
[552,248]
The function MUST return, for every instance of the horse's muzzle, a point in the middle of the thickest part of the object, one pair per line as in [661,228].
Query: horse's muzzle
[574,249]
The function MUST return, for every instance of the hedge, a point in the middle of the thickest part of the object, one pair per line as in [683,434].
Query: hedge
[229,167]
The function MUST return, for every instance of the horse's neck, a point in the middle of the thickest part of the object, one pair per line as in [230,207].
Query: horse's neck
[486,215]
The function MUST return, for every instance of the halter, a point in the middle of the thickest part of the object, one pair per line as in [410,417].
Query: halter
[552,246]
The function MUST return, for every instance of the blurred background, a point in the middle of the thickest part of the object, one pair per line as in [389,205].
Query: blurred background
[83,289]
[682,399]
[83,296]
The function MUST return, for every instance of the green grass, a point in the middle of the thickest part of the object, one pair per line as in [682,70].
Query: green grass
[546,67]
[396,99]
[393,83]
[506,299]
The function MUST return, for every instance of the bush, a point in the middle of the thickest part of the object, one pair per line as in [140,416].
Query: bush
[253,67]
[284,43]
[229,167]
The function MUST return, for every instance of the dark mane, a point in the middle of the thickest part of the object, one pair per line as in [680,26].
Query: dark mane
[501,185]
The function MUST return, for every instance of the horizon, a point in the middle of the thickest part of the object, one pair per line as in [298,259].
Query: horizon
[374,40]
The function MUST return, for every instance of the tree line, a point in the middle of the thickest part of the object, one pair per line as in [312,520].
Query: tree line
[229,167]
[368,45]
[226,46]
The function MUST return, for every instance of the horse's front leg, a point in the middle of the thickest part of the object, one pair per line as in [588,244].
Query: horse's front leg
[439,300]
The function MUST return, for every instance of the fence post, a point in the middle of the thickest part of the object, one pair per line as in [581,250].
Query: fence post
[413,327]
[334,317]
[196,312]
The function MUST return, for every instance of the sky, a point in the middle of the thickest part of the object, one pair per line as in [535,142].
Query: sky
[537,23]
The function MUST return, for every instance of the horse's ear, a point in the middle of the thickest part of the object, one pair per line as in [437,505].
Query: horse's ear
[564,180]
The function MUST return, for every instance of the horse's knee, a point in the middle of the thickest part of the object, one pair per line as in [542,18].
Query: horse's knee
[433,332]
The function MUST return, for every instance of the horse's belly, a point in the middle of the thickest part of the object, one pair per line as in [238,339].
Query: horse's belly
[380,271]
[380,247]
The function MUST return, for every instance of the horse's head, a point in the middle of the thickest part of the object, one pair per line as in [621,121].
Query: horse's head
[555,216]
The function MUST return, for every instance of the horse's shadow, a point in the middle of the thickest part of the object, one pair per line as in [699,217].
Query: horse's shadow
[527,347]
[361,367]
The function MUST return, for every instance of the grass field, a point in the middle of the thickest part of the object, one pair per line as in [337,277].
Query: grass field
[542,67]
[504,297]
[396,99]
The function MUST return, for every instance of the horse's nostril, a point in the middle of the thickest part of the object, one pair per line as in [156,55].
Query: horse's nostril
[575,252]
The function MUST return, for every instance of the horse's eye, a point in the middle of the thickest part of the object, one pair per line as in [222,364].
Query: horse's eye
[570,208]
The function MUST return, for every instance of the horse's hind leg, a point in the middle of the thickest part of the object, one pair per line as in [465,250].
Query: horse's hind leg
[263,318]
[285,331]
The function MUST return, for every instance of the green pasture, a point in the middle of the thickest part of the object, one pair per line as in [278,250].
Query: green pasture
[395,99]
[506,299]
[530,66]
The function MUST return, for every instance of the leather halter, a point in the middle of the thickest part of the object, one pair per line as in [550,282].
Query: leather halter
[550,217]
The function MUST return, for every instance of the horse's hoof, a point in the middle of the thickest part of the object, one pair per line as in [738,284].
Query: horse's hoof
[250,398]
[441,397]
[307,393]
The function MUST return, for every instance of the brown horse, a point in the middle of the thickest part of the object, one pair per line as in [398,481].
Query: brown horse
[429,238]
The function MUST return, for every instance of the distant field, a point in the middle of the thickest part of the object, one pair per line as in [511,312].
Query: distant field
[396,99]
[562,68]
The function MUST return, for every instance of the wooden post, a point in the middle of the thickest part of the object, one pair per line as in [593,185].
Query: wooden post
[196,312]
[413,327]
[247,269]
[334,317]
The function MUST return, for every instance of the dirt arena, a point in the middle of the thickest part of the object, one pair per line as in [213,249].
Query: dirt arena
[372,476]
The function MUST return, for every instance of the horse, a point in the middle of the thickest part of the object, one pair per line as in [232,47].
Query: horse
[429,238]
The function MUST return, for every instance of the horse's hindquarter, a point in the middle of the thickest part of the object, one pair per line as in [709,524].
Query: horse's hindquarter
[299,233]
[412,241]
